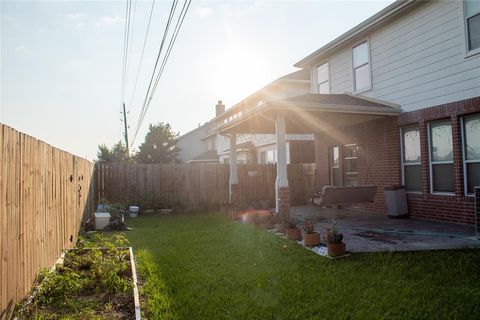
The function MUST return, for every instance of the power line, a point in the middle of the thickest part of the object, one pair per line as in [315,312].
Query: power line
[148,98]
[126,37]
[143,51]
[165,33]
[131,38]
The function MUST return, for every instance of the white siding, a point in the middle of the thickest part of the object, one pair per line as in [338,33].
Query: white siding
[191,144]
[418,60]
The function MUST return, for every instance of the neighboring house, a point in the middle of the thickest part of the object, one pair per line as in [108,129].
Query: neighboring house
[193,149]
[395,100]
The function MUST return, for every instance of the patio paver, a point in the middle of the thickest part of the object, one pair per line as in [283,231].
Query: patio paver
[369,232]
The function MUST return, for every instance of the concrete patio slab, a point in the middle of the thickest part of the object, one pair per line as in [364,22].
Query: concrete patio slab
[372,232]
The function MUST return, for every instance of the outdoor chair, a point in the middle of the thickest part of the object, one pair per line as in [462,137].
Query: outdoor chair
[337,196]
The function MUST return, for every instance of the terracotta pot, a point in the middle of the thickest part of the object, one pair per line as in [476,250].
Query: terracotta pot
[293,233]
[236,215]
[311,239]
[249,218]
[336,249]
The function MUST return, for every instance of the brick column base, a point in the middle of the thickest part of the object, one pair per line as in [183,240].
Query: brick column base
[284,199]
[234,193]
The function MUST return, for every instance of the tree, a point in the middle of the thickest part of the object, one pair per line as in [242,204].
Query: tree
[160,145]
[118,153]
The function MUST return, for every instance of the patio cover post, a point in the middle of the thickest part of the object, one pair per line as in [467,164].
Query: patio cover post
[282,193]
[233,180]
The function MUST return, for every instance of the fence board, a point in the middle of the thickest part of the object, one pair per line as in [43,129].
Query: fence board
[164,185]
[41,209]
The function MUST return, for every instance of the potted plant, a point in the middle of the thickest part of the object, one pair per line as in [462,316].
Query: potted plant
[335,245]
[278,221]
[291,230]
[310,236]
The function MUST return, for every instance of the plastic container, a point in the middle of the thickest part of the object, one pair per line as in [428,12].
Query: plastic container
[102,219]
[396,201]
[133,211]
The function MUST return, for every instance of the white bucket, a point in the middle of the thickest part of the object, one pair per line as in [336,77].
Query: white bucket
[102,219]
[133,211]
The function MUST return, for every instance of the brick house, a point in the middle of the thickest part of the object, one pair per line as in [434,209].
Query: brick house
[395,100]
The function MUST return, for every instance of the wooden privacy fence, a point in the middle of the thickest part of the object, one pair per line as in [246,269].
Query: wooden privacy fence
[44,194]
[166,185]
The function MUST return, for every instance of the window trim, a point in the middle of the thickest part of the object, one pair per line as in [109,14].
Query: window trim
[468,53]
[431,163]
[317,84]
[464,159]
[402,156]
[354,86]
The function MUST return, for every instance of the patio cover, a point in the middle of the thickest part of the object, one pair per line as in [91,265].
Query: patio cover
[310,113]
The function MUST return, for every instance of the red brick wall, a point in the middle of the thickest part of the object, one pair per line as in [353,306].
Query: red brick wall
[379,160]
[302,151]
[378,163]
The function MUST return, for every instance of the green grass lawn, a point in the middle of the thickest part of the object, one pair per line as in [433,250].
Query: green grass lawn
[205,266]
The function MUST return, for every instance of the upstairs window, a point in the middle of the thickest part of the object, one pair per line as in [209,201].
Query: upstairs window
[362,80]
[323,79]
[442,175]
[471,152]
[472,24]
[411,159]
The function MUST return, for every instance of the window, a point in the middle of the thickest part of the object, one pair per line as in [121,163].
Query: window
[442,176]
[471,152]
[350,164]
[336,175]
[263,157]
[361,68]
[271,156]
[472,24]
[323,79]
[411,159]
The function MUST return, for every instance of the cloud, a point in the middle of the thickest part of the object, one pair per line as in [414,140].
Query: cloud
[109,21]
[204,12]
[76,16]
[22,50]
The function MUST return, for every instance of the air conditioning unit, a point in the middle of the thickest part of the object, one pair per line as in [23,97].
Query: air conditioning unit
[477,210]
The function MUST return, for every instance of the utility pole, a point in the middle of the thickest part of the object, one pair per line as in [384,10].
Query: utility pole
[126,130]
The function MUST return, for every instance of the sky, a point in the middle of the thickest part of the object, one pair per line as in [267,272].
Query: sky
[61,61]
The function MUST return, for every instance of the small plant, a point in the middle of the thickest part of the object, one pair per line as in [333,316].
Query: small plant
[290,223]
[96,270]
[333,236]
[309,227]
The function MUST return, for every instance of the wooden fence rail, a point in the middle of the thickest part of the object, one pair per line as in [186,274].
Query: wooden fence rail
[44,193]
[165,185]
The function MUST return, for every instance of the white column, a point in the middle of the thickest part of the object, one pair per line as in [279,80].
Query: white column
[233,180]
[282,179]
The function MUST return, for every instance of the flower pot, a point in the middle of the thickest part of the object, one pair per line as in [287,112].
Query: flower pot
[249,218]
[236,215]
[336,249]
[311,239]
[293,233]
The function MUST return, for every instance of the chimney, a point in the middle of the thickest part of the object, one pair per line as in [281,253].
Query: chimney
[219,108]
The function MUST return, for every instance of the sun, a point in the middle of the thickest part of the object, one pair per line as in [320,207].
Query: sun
[238,72]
